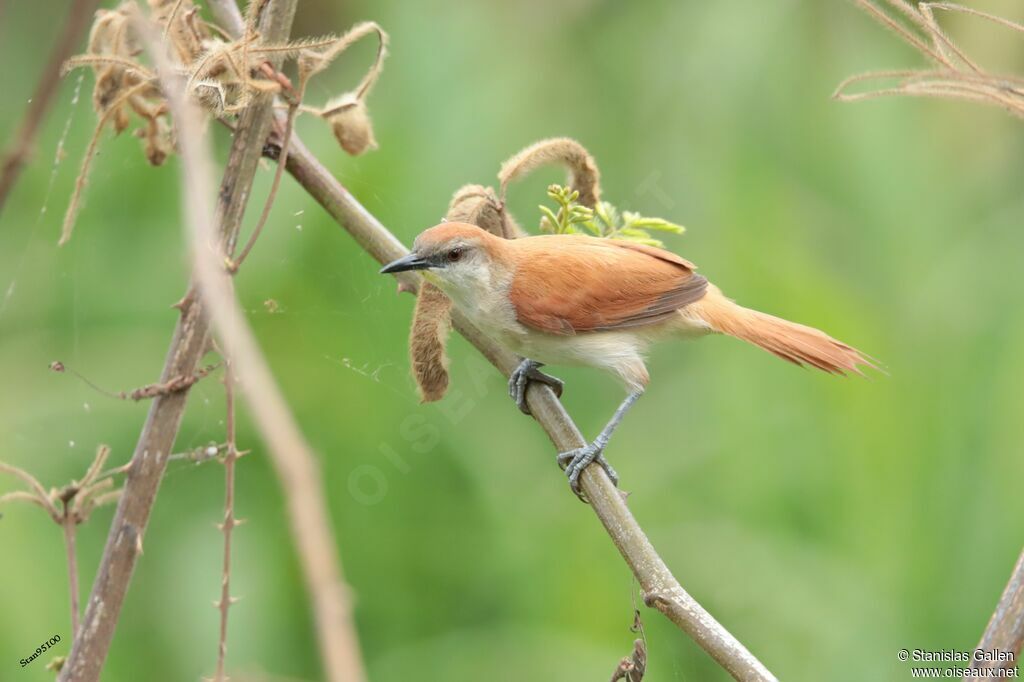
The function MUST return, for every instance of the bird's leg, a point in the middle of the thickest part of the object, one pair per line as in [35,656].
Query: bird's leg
[575,461]
[526,372]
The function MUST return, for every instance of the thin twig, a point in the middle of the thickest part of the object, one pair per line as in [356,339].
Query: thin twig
[78,17]
[69,525]
[942,42]
[74,204]
[24,496]
[229,522]
[957,77]
[178,383]
[661,589]
[900,30]
[951,7]
[189,343]
[289,126]
[37,488]
[77,499]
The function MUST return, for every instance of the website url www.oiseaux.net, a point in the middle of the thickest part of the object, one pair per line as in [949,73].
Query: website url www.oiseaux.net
[965,673]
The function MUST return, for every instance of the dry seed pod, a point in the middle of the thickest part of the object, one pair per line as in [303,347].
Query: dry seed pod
[431,322]
[583,174]
[479,205]
[351,124]
[347,114]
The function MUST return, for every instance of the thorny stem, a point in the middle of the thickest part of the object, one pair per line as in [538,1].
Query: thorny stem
[229,516]
[294,461]
[189,343]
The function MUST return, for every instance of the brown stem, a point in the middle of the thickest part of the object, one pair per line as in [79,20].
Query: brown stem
[295,463]
[1005,630]
[42,99]
[661,589]
[229,516]
[68,523]
[188,345]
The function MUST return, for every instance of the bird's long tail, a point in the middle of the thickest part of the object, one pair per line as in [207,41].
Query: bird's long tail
[796,343]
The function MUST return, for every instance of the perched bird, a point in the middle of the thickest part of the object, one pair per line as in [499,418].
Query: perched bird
[580,300]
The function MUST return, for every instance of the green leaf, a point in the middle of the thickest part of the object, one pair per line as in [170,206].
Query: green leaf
[637,235]
[604,220]
[659,224]
[579,214]
[549,214]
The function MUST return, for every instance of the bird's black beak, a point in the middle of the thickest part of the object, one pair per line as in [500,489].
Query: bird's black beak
[411,262]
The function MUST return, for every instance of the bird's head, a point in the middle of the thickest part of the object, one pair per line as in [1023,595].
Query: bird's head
[452,255]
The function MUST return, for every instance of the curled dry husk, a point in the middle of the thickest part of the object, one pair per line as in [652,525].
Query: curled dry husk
[479,205]
[431,320]
[583,174]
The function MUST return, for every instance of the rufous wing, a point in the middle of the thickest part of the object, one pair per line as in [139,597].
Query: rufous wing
[571,283]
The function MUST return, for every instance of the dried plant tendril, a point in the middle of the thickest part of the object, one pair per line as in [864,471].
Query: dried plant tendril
[583,174]
[223,76]
[479,205]
[952,73]
[431,320]
[347,114]
[431,323]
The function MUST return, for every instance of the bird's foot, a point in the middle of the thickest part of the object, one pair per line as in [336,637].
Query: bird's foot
[575,461]
[526,372]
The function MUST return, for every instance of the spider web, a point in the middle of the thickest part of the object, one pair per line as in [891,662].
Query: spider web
[58,157]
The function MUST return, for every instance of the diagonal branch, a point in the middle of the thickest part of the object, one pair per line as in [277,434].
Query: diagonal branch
[661,589]
[1005,630]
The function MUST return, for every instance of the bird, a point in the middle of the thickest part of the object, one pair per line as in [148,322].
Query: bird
[573,299]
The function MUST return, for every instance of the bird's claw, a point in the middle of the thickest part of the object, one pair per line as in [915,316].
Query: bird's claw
[520,379]
[575,461]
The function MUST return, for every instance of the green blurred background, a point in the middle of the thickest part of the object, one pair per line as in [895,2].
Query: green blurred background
[826,522]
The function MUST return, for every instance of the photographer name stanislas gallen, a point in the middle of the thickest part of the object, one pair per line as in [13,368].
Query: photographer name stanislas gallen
[960,656]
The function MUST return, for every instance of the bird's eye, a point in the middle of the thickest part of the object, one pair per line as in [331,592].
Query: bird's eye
[455,254]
